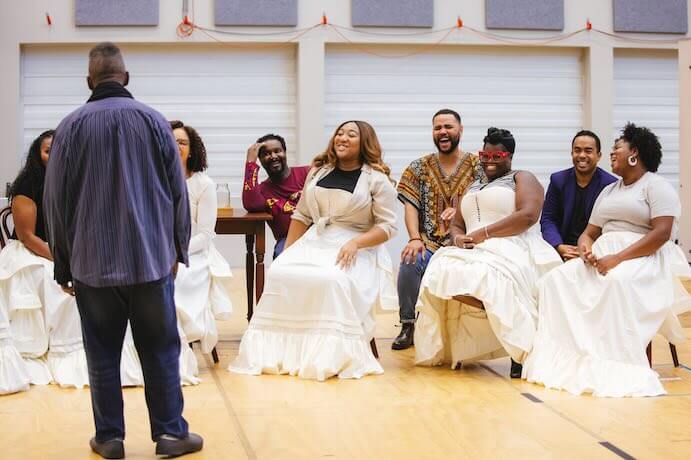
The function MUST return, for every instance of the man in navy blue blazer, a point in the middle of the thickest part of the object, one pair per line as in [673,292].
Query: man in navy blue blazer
[571,195]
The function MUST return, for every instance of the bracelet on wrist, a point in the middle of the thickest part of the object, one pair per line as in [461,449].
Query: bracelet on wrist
[415,239]
[486,233]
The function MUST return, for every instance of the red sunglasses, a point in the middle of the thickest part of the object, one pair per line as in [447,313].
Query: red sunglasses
[492,156]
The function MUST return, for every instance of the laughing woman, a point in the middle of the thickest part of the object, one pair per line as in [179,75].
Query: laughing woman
[599,312]
[40,320]
[316,315]
[477,299]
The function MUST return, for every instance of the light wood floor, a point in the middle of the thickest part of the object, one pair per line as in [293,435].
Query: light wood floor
[409,412]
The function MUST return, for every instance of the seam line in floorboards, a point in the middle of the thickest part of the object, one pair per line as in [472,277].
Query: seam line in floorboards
[532,397]
[617,451]
[547,406]
[229,408]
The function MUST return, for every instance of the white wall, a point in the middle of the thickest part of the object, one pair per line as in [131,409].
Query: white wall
[24,23]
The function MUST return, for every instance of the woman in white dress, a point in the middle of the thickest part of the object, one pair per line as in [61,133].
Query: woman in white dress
[38,320]
[478,298]
[202,290]
[598,313]
[316,315]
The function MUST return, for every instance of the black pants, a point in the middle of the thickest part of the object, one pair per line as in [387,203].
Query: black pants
[151,311]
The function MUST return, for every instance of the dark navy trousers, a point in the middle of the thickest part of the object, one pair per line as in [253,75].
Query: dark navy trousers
[409,279]
[150,309]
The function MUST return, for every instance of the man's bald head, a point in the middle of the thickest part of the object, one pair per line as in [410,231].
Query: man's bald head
[106,64]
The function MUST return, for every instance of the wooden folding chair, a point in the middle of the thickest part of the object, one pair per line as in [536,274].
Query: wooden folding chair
[373,346]
[214,353]
[472,301]
[672,349]
[5,232]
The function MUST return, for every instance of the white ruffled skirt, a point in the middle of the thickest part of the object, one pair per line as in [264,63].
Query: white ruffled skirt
[202,296]
[131,374]
[314,319]
[593,329]
[38,322]
[500,272]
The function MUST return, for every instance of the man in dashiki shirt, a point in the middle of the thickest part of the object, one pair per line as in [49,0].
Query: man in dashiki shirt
[430,188]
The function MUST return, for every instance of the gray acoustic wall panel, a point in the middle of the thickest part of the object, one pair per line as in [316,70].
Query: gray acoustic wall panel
[116,12]
[256,12]
[524,14]
[658,16]
[393,13]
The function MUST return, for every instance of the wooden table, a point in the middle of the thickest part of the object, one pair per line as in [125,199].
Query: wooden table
[250,224]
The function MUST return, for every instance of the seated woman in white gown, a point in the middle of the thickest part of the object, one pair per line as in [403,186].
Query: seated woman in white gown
[40,330]
[478,298]
[202,290]
[598,313]
[316,316]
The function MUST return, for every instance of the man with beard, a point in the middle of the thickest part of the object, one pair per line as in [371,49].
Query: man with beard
[430,188]
[279,193]
[571,195]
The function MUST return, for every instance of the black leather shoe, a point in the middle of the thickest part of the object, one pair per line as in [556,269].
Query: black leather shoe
[170,446]
[516,370]
[113,448]
[405,338]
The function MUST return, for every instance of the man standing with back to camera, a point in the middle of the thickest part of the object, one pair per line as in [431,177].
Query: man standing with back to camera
[118,222]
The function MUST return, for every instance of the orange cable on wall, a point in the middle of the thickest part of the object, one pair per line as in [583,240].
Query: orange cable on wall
[187,26]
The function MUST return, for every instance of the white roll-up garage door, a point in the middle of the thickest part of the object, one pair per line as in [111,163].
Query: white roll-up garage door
[646,92]
[537,94]
[231,95]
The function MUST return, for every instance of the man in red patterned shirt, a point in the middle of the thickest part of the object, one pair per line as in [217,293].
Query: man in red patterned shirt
[279,194]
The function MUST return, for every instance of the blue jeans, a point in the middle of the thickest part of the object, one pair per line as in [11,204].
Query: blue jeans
[151,311]
[409,279]
[278,249]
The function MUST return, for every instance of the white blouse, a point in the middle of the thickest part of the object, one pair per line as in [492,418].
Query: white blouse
[632,207]
[203,210]
[372,203]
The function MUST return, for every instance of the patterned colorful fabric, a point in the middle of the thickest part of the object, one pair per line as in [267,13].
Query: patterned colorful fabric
[425,186]
[278,199]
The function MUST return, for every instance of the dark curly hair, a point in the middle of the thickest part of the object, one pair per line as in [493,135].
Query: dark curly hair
[268,137]
[496,136]
[33,168]
[645,142]
[196,162]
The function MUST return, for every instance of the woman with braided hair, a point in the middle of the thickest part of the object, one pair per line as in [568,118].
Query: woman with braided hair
[478,298]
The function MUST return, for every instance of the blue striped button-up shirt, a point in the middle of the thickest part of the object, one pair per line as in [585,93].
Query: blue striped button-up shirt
[115,199]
